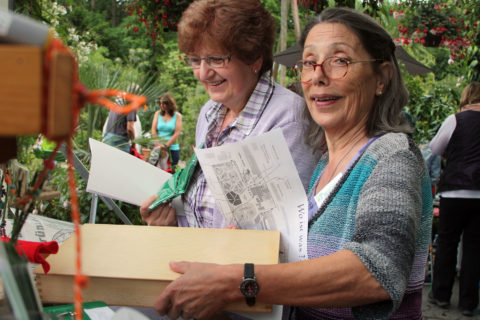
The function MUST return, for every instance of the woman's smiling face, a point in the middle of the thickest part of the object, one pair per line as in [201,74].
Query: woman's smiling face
[230,85]
[342,104]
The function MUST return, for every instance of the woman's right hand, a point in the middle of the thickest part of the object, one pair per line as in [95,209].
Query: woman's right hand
[164,215]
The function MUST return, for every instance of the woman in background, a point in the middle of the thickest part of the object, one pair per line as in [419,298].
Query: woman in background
[167,124]
[458,142]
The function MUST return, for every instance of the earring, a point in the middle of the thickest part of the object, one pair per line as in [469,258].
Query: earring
[379,93]
[255,71]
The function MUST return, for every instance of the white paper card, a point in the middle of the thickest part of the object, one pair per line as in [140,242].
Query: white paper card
[121,176]
[256,186]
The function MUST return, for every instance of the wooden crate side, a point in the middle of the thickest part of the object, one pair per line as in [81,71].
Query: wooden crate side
[60,92]
[20,90]
[117,292]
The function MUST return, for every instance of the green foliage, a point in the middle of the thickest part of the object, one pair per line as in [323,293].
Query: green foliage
[31,8]
[429,104]
[156,17]
[25,154]
[112,55]
[196,98]
[174,74]
[430,16]
[453,24]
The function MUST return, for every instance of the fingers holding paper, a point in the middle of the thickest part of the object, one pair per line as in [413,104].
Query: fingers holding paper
[200,292]
[164,215]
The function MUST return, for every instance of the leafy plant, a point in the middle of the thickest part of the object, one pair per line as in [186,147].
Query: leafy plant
[156,16]
[437,23]
[429,104]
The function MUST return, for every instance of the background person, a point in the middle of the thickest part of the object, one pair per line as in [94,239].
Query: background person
[229,45]
[459,190]
[370,200]
[119,130]
[167,124]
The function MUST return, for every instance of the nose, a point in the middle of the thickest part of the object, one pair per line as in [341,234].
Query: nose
[318,75]
[204,72]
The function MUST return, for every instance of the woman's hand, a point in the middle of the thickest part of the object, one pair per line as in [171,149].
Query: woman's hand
[164,215]
[203,290]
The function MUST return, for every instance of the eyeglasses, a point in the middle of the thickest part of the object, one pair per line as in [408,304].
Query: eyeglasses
[212,61]
[333,68]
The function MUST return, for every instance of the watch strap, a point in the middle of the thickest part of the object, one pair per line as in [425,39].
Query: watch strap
[249,276]
[249,271]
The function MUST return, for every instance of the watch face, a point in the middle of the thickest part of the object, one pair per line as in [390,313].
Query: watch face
[249,287]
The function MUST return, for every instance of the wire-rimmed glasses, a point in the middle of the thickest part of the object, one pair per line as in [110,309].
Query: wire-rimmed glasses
[333,68]
[213,61]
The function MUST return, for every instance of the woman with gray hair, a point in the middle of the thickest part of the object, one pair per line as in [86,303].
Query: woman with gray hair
[370,204]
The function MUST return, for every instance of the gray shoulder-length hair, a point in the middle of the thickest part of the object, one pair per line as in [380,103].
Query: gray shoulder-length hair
[387,113]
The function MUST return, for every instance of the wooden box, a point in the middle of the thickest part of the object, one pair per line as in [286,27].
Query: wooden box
[128,265]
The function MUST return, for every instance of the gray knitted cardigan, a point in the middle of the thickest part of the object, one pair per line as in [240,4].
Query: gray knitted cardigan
[381,210]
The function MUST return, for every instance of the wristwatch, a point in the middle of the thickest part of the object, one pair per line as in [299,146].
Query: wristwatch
[249,286]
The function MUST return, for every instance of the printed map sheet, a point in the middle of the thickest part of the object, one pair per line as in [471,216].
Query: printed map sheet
[256,186]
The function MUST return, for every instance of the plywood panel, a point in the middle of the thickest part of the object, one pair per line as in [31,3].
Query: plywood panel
[20,90]
[118,258]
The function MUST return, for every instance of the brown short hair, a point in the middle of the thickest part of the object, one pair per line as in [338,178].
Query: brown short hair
[244,28]
[167,97]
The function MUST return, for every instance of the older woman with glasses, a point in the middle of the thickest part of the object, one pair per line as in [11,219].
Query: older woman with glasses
[167,124]
[228,44]
[370,204]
